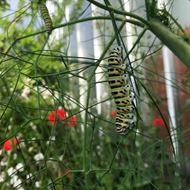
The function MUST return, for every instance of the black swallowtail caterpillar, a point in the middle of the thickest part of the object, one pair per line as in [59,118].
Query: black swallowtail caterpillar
[46,17]
[121,92]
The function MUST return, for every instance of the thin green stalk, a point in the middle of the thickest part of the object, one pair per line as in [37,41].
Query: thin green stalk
[137,41]
[12,57]
[175,21]
[108,4]
[174,42]
[119,11]
[162,116]
[11,97]
[35,73]
[140,24]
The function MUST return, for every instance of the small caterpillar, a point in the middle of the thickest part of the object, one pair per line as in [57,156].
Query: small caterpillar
[121,92]
[46,17]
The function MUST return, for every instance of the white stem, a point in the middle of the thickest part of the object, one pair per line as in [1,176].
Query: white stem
[99,75]
[170,77]
[130,42]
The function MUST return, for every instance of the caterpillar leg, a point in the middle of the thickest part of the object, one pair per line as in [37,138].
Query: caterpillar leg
[118,81]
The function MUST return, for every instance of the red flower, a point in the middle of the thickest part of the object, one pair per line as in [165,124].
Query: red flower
[158,122]
[72,121]
[9,144]
[57,115]
[114,114]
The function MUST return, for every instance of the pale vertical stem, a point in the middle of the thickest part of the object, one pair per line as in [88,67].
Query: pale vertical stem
[129,29]
[170,77]
[84,49]
[130,41]
[143,109]
[84,36]
[82,92]
[72,51]
[171,92]
[99,75]
[77,48]
[82,82]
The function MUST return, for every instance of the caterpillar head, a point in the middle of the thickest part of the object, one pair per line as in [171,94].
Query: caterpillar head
[117,50]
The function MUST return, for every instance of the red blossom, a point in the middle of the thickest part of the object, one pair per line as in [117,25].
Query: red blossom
[72,121]
[114,114]
[61,114]
[10,144]
[57,115]
[158,122]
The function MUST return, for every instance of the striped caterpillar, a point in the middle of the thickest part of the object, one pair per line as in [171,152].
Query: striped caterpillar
[121,92]
[46,17]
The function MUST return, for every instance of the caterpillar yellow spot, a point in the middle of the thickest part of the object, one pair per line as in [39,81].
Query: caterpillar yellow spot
[117,81]
[124,101]
[120,92]
[115,71]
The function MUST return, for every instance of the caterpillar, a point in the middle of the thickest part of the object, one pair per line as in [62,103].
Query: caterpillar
[121,92]
[46,17]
